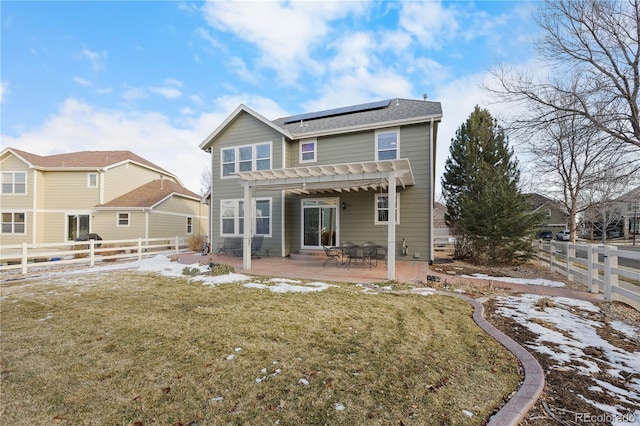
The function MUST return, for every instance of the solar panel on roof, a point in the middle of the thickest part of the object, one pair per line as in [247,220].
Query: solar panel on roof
[337,111]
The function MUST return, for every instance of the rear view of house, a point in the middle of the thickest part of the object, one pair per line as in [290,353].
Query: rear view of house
[351,174]
[115,194]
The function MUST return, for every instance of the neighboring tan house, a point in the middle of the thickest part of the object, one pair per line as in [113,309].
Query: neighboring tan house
[622,216]
[327,177]
[629,205]
[554,216]
[441,231]
[115,194]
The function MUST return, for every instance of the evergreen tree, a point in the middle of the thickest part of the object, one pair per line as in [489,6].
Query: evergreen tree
[485,208]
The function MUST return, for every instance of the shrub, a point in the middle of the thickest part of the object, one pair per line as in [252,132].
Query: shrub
[220,269]
[195,242]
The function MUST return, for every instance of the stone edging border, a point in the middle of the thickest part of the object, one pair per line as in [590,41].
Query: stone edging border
[531,388]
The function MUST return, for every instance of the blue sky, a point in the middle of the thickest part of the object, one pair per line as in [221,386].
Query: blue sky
[156,77]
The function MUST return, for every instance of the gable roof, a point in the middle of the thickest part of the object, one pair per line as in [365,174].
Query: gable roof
[206,144]
[149,195]
[537,201]
[84,160]
[394,112]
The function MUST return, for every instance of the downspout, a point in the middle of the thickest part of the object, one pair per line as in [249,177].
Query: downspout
[283,230]
[34,227]
[211,202]
[146,224]
[431,194]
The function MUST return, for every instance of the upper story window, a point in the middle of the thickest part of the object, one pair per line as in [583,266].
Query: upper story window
[189,225]
[92,180]
[308,150]
[245,158]
[387,144]
[547,213]
[14,182]
[382,209]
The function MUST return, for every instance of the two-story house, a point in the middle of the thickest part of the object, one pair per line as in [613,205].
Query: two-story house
[115,194]
[358,173]
[553,214]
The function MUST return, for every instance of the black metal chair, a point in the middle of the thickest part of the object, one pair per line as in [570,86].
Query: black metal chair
[256,246]
[370,254]
[349,253]
[333,255]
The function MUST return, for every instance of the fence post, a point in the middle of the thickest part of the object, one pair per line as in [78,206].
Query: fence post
[23,262]
[592,272]
[551,247]
[92,252]
[139,248]
[610,279]
[571,252]
[177,244]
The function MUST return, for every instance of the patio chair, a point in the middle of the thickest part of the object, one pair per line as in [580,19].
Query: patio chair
[349,253]
[256,246]
[370,254]
[333,255]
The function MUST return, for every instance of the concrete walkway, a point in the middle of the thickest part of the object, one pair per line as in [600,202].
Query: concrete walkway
[514,411]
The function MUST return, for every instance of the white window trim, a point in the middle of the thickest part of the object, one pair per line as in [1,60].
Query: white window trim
[395,130]
[547,213]
[13,223]
[236,219]
[254,159]
[314,141]
[13,183]
[89,180]
[118,220]
[375,209]
[189,225]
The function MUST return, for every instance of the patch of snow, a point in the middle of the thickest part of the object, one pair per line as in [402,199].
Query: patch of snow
[626,329]
[304,382]
[467,413]
[339,407]
[283,287]
[525,281]
[563,333]
[230,357]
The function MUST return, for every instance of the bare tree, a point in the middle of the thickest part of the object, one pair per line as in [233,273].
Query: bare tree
[569,156]
[205,181]
[603,212]
[591,51]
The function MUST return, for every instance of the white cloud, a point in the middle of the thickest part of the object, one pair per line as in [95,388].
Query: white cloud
[4,89]
[82,81]
[96,59]
[286,33]
[429,22]
[79,126]
[166,91]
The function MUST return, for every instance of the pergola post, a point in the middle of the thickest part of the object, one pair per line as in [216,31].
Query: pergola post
[391,228]
[248,226]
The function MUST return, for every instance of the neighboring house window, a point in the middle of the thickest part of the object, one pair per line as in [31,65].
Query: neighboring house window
[123,219]
[189,225]
[547,213]
[245,158]
[14,182]
[13,223]
[308,151]
[382,209]
[232,217]
[387,144]
[92,180]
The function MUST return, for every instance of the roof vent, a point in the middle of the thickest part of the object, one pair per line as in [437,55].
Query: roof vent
[425,96]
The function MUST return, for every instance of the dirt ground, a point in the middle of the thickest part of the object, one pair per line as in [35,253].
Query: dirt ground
[559,403]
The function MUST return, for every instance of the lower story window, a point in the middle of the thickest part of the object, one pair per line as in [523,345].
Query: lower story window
[123,219]
[13,223]
[232,217]
[189,225]
[382,209]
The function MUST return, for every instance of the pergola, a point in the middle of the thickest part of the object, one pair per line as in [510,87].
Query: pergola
[358,176]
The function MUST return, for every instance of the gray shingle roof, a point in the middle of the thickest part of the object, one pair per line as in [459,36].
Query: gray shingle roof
[398,110]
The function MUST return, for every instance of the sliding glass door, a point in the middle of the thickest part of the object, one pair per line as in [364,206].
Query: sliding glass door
[319,222]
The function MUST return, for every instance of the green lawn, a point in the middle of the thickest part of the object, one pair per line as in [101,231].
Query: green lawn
[119,348]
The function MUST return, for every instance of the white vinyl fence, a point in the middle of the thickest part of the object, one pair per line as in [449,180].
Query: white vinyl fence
[610,270]
[25,256]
